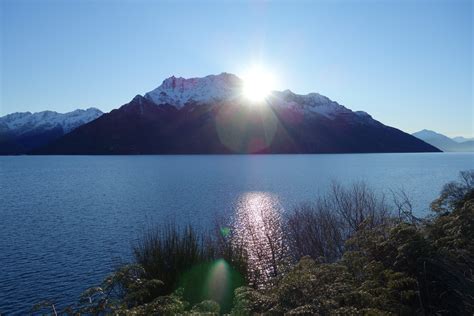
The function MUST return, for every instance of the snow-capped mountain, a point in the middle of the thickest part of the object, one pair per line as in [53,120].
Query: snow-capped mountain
[24,122]
[23,131]
[180,92]
[443,142]
[210,115]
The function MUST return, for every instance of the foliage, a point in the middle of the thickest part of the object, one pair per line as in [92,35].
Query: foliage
[313,288]
[126,287]
[165,254]
[455,193]
[172,304]
[208,307]
[320,229]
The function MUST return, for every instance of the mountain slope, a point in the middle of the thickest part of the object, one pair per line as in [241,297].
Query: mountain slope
[210,116]
[22,132]
[444,142]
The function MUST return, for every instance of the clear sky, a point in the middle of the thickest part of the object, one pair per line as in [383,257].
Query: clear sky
[407,63]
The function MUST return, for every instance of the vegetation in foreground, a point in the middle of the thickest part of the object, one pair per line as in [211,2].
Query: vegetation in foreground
[348,253]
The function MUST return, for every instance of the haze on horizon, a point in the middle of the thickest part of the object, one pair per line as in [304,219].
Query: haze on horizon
[408,64]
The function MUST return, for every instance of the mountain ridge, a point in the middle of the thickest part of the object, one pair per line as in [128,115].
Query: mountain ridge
[21,132]
[461,139]
[210,115]
[444,142]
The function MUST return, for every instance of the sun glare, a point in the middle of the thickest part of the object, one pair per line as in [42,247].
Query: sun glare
[258,83]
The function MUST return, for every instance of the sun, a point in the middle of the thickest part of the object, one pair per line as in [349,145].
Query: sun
[257,84]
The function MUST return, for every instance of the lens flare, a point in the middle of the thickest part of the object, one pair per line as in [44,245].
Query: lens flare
[225,231]
[243,129]
[258,84]
[215,280]
[219,281]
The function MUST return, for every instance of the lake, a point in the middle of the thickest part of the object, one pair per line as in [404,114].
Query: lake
[67,221]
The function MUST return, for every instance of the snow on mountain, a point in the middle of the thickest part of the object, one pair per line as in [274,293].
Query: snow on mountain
[179,92]
[21,123]
[309,103]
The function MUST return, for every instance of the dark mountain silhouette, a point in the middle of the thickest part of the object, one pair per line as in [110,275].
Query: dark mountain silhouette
[207,116]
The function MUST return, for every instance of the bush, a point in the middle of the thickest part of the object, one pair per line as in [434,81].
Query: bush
[169,305]
[321,229]
[455,193]
[313,288]
[165,254]
[193,262]
[206,307]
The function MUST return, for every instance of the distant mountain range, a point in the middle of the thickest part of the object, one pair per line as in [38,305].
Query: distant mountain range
[210,116]
[22,132]
[461,139]
[444,142]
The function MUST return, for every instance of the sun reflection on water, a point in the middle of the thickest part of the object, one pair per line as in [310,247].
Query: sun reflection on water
[258,231]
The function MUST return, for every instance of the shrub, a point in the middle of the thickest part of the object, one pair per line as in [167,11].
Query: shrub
[321,229]
[455,193]
[165,254]
[206,307]
[193,262]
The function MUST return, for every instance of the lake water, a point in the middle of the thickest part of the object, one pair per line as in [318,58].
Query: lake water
[67,221]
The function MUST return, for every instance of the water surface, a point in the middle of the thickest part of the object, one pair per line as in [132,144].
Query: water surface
[66,221]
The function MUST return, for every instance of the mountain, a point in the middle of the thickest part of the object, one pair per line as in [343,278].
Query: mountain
[211,116]
[443,142]
[460,139]
[22,132]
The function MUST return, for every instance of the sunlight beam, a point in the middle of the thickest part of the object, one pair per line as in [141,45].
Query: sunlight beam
[258,84]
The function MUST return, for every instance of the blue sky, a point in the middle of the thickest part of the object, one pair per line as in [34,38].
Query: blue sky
[407,63]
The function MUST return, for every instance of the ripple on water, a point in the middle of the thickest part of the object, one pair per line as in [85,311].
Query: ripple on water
[259,232]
